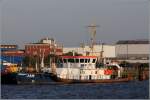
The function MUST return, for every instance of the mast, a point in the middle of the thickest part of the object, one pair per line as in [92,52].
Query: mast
[53,66]
[127,54]
[29,57]
[101,56]
[50,62]
[82,45]
[92,29]
[127,51]
[42,61]
[36,66]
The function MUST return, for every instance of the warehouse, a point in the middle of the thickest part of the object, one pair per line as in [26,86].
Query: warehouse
[133,50]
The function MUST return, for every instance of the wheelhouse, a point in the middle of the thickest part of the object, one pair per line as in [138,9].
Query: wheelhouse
[77,61]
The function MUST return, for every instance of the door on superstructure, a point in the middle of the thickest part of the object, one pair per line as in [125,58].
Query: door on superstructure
[90,77]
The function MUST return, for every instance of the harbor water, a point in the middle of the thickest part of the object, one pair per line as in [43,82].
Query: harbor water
[129,90]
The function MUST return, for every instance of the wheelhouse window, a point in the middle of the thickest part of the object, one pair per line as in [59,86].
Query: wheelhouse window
[81,60]
[77,60]
[86,60]
[65,60]
[93,60]
[71,60]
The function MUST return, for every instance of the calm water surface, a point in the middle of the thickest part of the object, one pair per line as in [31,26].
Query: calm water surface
[130,90]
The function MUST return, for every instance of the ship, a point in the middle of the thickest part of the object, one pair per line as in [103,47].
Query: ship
[84,69]
[14,74]
[34,78]
[9,74]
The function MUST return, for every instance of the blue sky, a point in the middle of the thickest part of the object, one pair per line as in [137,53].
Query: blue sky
[25,21]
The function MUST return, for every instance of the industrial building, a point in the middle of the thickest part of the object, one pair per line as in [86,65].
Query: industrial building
[8,47]
[106,51]
[11,55]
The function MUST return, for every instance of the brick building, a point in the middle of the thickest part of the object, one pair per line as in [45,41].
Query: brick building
[46,46]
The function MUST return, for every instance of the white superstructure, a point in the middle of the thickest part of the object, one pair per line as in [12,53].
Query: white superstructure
[81,68]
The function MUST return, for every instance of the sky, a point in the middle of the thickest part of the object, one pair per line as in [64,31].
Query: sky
[27,21]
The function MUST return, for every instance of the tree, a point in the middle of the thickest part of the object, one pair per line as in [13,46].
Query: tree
[51,57]
[71,54]
[29,61]
[125,64]
[26,60]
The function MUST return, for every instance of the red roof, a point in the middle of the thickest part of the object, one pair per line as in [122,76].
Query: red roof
[78,56]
